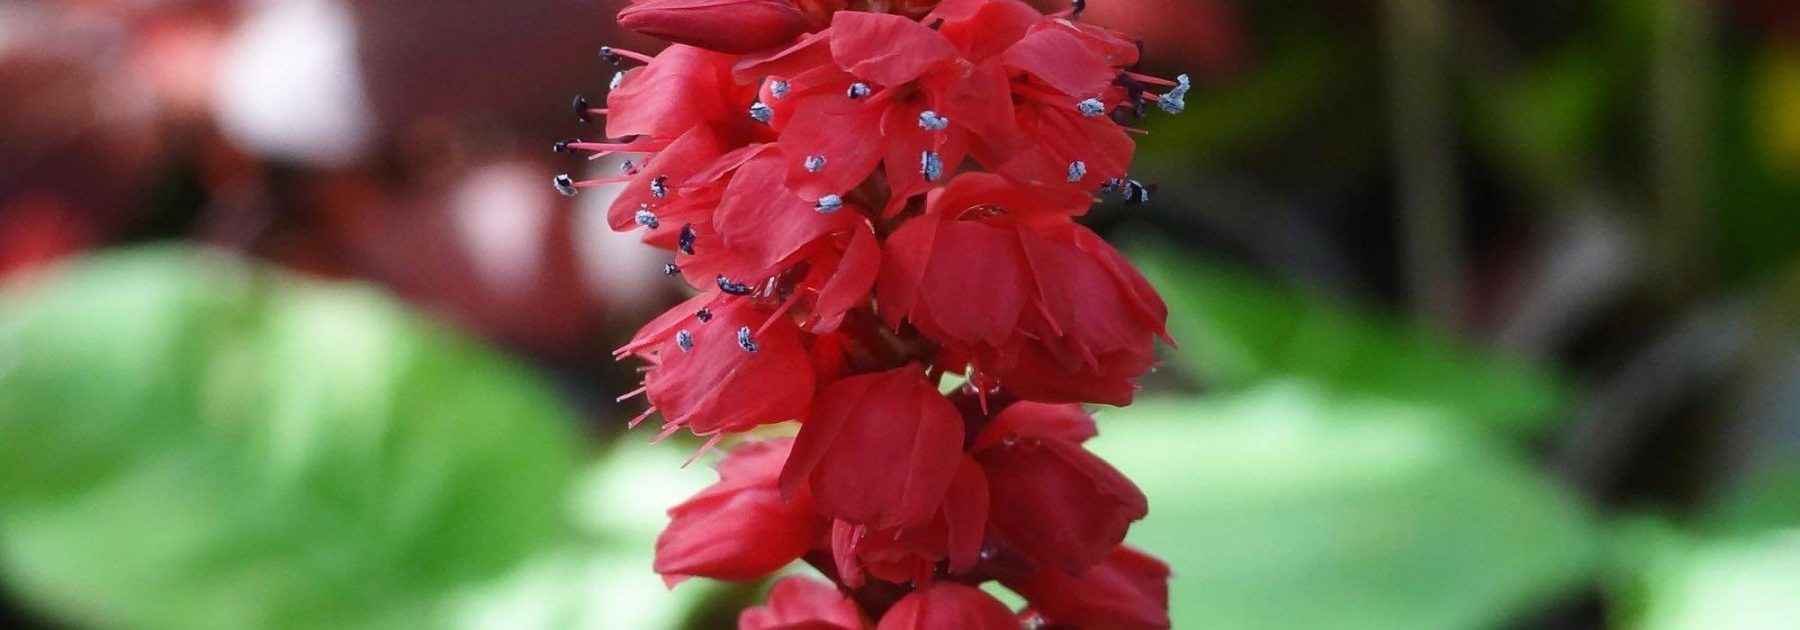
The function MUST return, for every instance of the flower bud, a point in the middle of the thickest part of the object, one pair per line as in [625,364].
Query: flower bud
[730,26]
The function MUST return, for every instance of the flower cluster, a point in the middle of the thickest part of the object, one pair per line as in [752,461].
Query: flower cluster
[871,195]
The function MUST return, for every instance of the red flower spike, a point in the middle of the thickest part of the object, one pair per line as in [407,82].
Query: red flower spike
[739,528]
[731,26]
[1058,504]
[948,605]
[879,449]
[1129,590]
[817,166]
[798,603]
[709,381]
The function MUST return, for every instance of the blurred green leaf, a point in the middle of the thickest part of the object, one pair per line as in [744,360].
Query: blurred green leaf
[1235,331]
[192,443]
[1747,582]
[604,579]
[1289,507]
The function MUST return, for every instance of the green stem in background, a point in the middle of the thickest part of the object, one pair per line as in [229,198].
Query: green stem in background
[1425,159]
[1682,63]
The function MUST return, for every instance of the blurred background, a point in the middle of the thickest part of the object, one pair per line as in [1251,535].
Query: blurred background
[1489,316]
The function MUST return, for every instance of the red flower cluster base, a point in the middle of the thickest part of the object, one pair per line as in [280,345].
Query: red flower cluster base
[871,195]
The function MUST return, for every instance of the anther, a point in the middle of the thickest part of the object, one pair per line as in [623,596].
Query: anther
[778,89]
[1091,108]
[1136,193]
[647,218]
[562,146]
[813,163]
[1078,7]
[744,339]
[627,166]
[829,204]
[1176,100]
[1111,185]
[931,121]
[685,340]
[931,166]
[732,288]
[762,113]
[704,315]
[671,269]
[1077,171]
[618,78]
[659,187]
[685,242]
[858,90]
[581,109]
[564,184]
[608,55]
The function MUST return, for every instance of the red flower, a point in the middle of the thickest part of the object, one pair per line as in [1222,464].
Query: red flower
[1053,312]
[1052,500]
[739,528]
[878,450]
[733,26]
[798,603]
[723,365]
[948,605]
[1129,590]
[902,554]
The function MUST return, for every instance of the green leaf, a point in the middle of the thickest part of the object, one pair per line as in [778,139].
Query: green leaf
[1289,507]
[194,443]
[1235,330]
[1743,582]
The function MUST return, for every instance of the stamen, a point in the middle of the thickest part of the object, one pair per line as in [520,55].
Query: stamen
[814,163]
[1091,108]
[858,91]
[564,184]
[685,340]
[562,146]
[704,315]
[1077,171]
[931,166]
[829,204]
[732,288]
[1111,185]
[613,55]
[762,113]
[743,339]
[671,269]
[647,218]
[659,187]
[1176,100]
[778,88]
[685,242]
[1077,7]
[627,166]
[618,79]
[931,121]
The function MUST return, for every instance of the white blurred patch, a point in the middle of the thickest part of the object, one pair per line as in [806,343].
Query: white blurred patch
[501,214]
[618,264]
[289,86]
